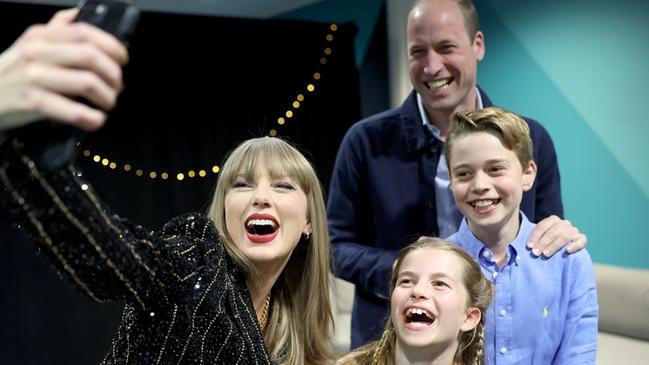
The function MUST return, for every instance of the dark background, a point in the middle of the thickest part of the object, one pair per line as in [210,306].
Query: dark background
[196,86]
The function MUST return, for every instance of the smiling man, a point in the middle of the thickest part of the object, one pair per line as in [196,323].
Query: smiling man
[390,183]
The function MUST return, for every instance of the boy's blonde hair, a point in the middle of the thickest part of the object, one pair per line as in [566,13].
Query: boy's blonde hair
[301,321]
[470,350]
[512,130]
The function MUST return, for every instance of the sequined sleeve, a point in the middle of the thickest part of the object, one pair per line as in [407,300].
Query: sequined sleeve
[104,255]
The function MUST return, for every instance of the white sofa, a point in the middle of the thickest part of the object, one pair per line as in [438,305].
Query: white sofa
[623,296]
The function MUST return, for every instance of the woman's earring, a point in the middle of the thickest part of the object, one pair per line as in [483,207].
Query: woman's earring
[306,236]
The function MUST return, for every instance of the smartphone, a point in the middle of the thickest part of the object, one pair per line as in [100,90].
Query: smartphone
[117,17]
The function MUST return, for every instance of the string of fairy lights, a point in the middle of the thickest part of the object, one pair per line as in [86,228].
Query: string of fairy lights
[300,97]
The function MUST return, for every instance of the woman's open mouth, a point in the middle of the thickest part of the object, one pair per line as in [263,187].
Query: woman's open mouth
[261,228]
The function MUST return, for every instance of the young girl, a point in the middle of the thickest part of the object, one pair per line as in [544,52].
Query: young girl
[437,307]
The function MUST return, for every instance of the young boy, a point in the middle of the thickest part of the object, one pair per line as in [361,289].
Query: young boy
[544,310]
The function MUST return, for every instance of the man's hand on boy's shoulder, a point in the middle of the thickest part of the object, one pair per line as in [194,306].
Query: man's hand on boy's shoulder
[552,234]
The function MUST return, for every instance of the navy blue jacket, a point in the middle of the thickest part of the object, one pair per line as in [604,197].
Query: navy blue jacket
[382,198]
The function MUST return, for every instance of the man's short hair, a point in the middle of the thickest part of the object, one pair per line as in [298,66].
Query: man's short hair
[467,8]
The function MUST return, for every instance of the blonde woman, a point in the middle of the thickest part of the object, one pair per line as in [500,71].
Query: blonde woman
[246,284]
[437,309]
[251,288]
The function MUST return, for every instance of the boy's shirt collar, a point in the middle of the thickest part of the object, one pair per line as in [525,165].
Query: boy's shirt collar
[478,250]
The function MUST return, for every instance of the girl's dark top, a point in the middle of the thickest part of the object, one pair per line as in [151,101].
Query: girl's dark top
[186,302]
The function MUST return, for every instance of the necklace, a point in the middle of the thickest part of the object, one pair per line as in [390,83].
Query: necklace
[264,312]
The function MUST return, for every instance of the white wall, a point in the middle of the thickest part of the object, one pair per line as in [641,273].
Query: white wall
[399,81]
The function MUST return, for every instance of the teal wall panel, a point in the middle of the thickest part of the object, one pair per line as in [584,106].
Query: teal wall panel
[578,67]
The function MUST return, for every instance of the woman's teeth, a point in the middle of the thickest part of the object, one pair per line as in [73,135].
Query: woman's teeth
[261,226]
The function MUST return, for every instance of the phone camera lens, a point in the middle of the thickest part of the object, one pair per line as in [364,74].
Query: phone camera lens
[100,9]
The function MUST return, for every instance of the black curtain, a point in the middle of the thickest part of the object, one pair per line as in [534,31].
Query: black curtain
[196,86]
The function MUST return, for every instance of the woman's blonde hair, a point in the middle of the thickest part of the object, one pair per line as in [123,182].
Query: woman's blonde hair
[470,350]
[301,321]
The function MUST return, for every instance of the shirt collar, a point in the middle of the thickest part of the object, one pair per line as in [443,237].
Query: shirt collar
[433,128]
[477,249]
[478,101]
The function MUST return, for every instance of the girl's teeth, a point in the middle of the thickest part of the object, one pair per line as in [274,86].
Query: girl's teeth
[419,311]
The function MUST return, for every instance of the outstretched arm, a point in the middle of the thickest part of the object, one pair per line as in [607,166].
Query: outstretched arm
[42,75]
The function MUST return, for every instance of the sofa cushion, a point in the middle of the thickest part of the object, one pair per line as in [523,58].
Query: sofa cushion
[623,296]
[616,350]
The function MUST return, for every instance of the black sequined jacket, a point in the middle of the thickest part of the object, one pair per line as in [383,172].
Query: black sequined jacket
[186,300]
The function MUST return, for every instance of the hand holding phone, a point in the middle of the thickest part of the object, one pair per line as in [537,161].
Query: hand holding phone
[64,65]
[118,18]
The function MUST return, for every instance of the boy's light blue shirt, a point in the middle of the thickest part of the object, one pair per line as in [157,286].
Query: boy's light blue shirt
[544,309]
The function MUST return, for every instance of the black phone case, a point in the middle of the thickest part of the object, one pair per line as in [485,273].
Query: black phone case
[118,18]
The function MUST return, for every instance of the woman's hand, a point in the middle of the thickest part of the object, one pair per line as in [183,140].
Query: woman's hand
[50,65]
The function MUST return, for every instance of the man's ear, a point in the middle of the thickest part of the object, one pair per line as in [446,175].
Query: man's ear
[529,174]
[478,46]
[471,319]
